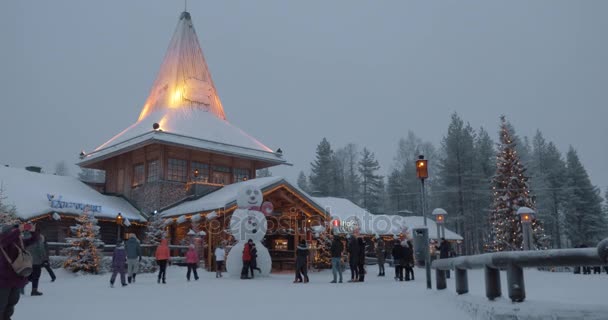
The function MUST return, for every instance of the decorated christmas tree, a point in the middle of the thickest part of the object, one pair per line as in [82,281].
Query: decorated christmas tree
[83,252]
[155,231]
[8,213]
[322,257]
[510,192]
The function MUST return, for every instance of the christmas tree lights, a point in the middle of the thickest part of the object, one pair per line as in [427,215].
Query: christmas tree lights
[83,254]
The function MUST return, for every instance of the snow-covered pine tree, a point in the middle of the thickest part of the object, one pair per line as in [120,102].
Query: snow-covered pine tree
[303,182]
[321,182]
[510,192]
[8,213]
[83,252]
[371,182]
[156,230]
[585,222]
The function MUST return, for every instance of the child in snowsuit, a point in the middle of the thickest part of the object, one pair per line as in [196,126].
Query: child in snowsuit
[119,260]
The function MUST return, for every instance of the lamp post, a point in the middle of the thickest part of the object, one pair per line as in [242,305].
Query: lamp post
[526,215]
[440,214]
[422,173]
[119,220]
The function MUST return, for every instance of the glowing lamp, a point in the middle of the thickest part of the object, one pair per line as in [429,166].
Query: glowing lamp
[439,214]
[119,219]
[422,170]
[336,223]
[196,172]
[526,214]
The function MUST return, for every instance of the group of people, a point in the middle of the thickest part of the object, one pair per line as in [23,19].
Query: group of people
[24,253]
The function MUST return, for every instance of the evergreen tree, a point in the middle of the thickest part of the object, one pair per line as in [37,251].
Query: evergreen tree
[321,178]
[8,213]
[484,167]
[83,252]
[303,182]
[510,192]
[585,221]
[155,231]
[262,173]
[371,182]
[347,159]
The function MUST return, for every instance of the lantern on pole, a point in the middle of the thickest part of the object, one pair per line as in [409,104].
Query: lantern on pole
[422,170]
[119,222]
[422,173]
[526,214]
[439,215]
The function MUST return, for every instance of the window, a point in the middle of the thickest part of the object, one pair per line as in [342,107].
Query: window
[153,170]
[203,171]
[177,170]
[240,174]
[280,244]
[138,174]
[220,175]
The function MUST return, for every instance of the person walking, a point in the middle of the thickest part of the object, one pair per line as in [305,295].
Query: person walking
[119,260]
[246,259]
[336,250]
[36,250]
[45,262]
[353,258]
[220,256]
[409,261]
[380,254]
[133,257]
[162,257]
[398,258]
[361,260]
[192,262]
[253,264]
[12,246]
[301,262]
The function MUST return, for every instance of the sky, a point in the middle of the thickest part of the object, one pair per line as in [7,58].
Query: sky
[75,73]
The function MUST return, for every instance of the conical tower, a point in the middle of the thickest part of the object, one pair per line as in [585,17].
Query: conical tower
[184,80]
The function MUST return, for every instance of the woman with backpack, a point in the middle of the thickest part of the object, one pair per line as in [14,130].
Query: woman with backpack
[15,266]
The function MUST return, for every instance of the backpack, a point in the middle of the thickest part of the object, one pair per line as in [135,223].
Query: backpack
[22,265]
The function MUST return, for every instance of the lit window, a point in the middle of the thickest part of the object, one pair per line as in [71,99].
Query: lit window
[177,170]
[153,170]
[199,171]
[240,174]
[138,174]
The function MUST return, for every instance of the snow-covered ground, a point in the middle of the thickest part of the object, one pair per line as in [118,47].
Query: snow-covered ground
[90,297]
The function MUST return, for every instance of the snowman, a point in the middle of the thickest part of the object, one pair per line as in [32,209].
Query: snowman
[249,223]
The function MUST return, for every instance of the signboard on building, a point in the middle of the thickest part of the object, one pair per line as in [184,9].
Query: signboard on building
[58,203]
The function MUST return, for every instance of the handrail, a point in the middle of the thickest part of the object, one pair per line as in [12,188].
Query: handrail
[514,262]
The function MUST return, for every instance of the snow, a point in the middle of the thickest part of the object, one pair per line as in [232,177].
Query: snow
[28,192]
[189,127]
[549,296]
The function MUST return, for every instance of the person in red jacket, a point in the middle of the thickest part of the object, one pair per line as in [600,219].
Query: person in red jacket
[246,259]
[192,262]
[162,257]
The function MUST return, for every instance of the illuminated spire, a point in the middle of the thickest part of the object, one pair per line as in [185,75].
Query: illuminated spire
[184,80]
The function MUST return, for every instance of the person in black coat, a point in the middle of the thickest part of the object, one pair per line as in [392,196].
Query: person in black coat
[336,258]
[409,261]
[253,264]
[399,260]
[444,252]
[353,258]
[361,261]
[301,262]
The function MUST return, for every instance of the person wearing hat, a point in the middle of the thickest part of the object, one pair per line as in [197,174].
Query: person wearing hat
[119,259]
[133,257]
[336,258]
[11,283]
[353,258]
[301,262]
[36,250]
[380,251]
[398,258]
[246,259]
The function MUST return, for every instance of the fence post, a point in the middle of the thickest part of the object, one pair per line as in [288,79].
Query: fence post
[440,279]
[462,281]
[515,281]
[493,289]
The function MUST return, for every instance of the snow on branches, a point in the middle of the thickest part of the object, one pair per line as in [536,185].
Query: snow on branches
[83,252]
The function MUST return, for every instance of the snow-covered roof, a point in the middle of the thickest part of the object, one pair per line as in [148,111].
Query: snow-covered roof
[34,194]
[346,211]
[226,197]
[186,127]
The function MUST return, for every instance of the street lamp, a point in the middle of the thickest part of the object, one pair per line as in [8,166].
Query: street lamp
[526,214]
[440,214]
[422,173]
[119,220]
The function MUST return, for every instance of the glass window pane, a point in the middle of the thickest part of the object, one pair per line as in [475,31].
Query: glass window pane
[153,170]
[176,170]
[138,174]
[199,171]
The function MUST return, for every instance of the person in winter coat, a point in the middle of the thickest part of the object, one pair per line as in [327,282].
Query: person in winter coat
[45,263]
[220,256]
[399,260]
[192,262]
[162,257]
[36,250]
[353,259]
[444,252]
[119,260]
[361,261]
[253,264]
[246,259]
[336,250]
[380,252]
[133,257]
[301,262]
[409,261]
[11,283]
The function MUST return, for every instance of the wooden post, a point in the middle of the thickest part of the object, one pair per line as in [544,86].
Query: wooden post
[209,247]
[493,289]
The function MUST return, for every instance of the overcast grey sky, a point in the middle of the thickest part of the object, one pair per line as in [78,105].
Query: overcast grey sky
[74,73]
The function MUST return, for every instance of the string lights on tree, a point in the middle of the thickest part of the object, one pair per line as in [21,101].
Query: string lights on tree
[510,191]
[83,252]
